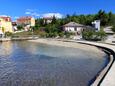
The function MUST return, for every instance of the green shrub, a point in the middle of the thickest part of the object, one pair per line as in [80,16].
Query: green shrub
[94,36]
[113,28]
[88,35]
[61,34]
[8,34]
[68,34]
[42,34]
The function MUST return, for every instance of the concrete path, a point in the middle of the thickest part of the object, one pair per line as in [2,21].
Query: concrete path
[109,79]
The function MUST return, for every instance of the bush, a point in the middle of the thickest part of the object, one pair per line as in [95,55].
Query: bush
[94,36]
[113,28]
[101,35]
[61,34]
[55,34]
[88,35]
[42,34]
[8,34]
[20,27]
[68,34]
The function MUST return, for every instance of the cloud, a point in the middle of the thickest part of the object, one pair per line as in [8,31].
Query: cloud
[32,12]
[35,14]
[57,15]
[4,15]
[27,12]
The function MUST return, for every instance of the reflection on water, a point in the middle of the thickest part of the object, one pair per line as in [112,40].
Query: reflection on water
[5,48]
[33,64]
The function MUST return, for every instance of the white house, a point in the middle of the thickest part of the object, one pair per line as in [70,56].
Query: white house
[96,25]
[47,19]
[73,27]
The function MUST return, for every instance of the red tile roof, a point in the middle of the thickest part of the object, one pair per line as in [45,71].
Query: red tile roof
[24,18]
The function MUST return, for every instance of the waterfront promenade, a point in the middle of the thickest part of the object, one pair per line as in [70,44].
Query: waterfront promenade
[109,79]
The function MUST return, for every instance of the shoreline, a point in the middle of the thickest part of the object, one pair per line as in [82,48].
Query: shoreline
[106,76]
[98,79]
[65,43]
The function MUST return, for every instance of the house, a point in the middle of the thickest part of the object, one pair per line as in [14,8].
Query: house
[96,25]
[73,27]
[14,24]
[76,28]
[5,24]
[47,20]
[27,20]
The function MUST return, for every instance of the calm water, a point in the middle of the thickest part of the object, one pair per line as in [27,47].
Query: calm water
[33,64]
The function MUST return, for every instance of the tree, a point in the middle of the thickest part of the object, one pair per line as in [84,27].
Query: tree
[103,17]
[54,20]
[40,22]
[111,20]
[89,19]
[88,34]
[19,27]
[3,29]
[82,19]
[113,28]
[67,19]
[110,17]
[93,35]
[8,34]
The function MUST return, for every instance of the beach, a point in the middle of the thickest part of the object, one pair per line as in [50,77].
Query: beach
[62,43]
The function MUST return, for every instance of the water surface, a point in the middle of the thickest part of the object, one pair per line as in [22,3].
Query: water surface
[34,64]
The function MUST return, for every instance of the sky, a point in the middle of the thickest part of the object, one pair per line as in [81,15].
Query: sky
[60,8]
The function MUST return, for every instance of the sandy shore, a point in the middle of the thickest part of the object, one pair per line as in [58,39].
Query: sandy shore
[68,44]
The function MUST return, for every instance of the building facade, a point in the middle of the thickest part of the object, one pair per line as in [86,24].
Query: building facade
[5,25]
[47,20]
[27,20]
[96,25]
[73,27]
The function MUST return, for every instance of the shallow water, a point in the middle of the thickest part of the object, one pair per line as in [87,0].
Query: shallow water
[34,64]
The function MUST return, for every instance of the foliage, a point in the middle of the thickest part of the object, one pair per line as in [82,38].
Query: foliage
[3,29]
[61,34]
[88,34]
[68,34]
[113,28]
[93,35]
[42,34]
[22,34]
[8,34]
[103,17]
[20,27]
[54,21]
[54,29]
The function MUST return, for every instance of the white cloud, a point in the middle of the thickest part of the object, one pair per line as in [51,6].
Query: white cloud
[4,15]
[30,10]
[57,15]
[27,12]
[35,14]
[32,13]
